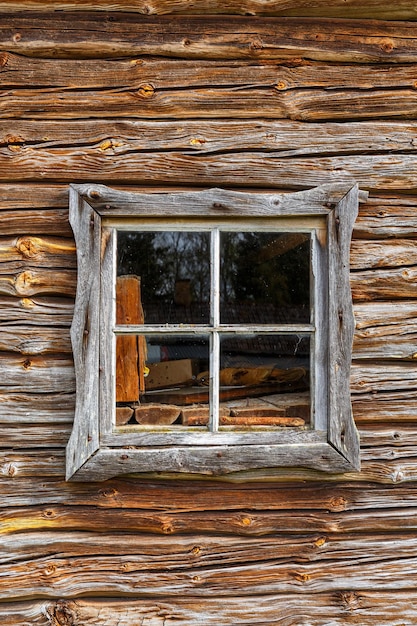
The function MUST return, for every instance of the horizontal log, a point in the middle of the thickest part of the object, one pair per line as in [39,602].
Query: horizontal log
[157,494]
[186,571]
[384,608]
[33,340]
[380,377]
[402,10]
[385,284]
[250,169]
[34,282]
[242,100]
[41,222]
[383,218]
[116,35]
[18,252]
[385,330]
[238,523]
[35,435]
[51,374]
[286,138]
[33,408]
[147,76]
[36,311]
[375,254]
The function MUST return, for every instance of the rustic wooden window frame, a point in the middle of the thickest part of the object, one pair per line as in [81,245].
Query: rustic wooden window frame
[97,450]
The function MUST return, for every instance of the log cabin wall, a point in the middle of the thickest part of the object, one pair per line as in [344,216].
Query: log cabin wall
[277,95]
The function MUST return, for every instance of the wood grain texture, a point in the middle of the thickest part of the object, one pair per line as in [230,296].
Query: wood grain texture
[403,9]
[339,609]
[128,34]
[244,101]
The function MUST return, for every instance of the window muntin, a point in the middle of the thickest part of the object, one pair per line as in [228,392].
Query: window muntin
[223,282]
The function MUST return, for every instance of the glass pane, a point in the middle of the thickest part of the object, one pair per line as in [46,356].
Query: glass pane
[162,380]
[265,380]
[169,277]
[265,278]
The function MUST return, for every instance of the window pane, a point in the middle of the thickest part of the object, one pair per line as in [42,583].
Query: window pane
[160,377]
[265,380]
[265,278]
[172,274]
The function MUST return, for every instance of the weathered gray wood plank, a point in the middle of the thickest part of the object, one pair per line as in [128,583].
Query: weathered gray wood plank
[242,101]
[119,137]
[32,340]
[117,35]
[144,75]
[384,608]
[40,374]
[250,169]
[36,311]
[182,571]
[35,408]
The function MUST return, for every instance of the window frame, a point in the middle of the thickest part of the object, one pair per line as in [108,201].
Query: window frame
[96,450]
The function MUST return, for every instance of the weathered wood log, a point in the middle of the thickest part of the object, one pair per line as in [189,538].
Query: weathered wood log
[36,311]
[174,568]
[52,374]
[250,169]
[34,408]
[386,284]
[385,330]
[375,254]
[156,494]
[75,34]
[42,222]
[147,75]
[403,9]
[386,218]
[368,378]
[36,251]
[35,435]
[33,340]
[34,282]
[52,139]
[254,523]
[380,607]
[242,100]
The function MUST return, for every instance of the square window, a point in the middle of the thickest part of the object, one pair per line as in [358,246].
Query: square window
[212,332]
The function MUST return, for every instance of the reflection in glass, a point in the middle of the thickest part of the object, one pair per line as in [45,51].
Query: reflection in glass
[259,375]
[172,269]
[162,379]
[265,278]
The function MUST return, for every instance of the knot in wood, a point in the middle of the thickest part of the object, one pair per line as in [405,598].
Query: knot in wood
[62,613]
[337,503]
[350,600]
[146,91]
[17,37]
[24,283]
[256,44]
[27,246]
[281,85]
[387,45]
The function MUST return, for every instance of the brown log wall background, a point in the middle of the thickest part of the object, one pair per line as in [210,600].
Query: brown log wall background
[278,95]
